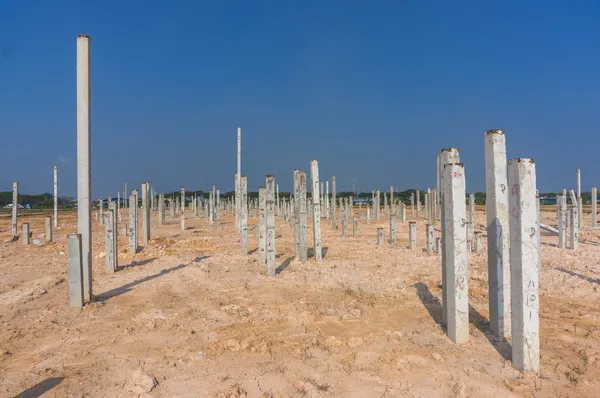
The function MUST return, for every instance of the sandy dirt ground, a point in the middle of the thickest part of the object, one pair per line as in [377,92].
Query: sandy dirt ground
[190,316]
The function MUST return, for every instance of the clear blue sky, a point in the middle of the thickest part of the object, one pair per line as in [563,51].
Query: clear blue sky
[373,90]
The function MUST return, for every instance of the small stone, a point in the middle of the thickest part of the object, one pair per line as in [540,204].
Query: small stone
[142,383]
[61,253]
[233,345]
[102,255]
[37,242]
[437,357]
[42,292]
[355,342]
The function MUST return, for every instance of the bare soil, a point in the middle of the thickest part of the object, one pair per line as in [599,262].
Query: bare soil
[190,316]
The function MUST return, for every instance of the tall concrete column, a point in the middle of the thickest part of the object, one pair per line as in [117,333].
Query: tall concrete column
[393,229]
[270,221]
[238,194]
[303,249]
[574,228]
[262,226]
[133,240]
[318,243]
[125,196]
[579,200]
[496,208]
[84,179]
[48,229]
[418,203]
[412,235]
[412,204]
[447,155]
[26,233]
[524,263]
[75,271]
[378,208]
[471,226]
[380,237]
[455,248]
[15,207]
[430,241]
[438,181]
[244,213]
[333,203]
[110,237]
[355,227]
[55,196]
[145,214]
[218,207]
[161,209]
[562,219]
[594,206]
[296,214]
[327,199]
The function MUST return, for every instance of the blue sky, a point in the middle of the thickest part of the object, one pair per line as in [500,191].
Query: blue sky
[373,90]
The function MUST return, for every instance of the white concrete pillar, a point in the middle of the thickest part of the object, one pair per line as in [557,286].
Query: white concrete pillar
[368,214]
[110,237]
[579,200]
[355,227]
[303,257]
[133,245]
[344,226]
[403,214]
[574,228]
[262,226]
[327,199]
[146,213]
[48,228]
[238,194]
[379,237]
[75,271]
[496,208]
[412,235]
[161,209]
[524,262]
[412,204]
[318,243]
[55,196]
[244,213]
[594,206]
[562,219]
[333,203]
[26,234]
[218,207]
[430,241]
[15,207]
[418,203]
[393,229]
[478,243]
[447,155]
[270,221]
[455,248]
[84,179]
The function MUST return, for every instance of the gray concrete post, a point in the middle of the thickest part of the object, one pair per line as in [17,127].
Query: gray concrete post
[594,206]
[524,263]
[403,210]
[327,199]
[562,220]
[430,241]
[244,213]
[418,203]
[579,200]
[378,208]
[368,214]
[26,234]
[355,227]
[262,227]
[101,210]
[270,221]
[574,228]
[333,203]
[392,229]
[48,228]
[238,201]
[296,214]
[412,235]
[133,224]
[380,237]
[447,155]
[75,271]
[303,256]
[84,179]
[344,226]
[145,214]
[15,207]
[318,243]
[471,226]
[110,236]
[182,216]
[55,196]
[455,248]
[161,209]
[412,204]
[478,243]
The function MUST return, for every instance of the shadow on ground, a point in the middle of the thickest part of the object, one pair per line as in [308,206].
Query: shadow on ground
[434,307]
[40,388]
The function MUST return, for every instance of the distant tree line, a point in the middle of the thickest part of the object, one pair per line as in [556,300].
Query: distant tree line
[43,201]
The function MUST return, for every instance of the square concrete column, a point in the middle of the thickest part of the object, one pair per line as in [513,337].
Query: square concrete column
[447,155]
[133,239]
[579,200]
[412,235]
[496,204]
[430,240]
[318,243]
[26,234]
[379,237]
[84,179]
[55,196]
[355,227]
[524,262]
[262,226]
[110,236]
[333,203]
[574,228]
[393,229]
[48,228]
[145,213]
[455,248]
[75,271]
[296,213]
[15,206]
[594,206]
[270,221]
[161,209]
[243,213]
[562,220]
